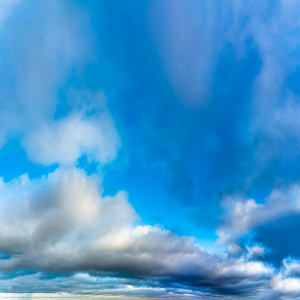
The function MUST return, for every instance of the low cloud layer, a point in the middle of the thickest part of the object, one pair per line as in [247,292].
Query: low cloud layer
[61,224]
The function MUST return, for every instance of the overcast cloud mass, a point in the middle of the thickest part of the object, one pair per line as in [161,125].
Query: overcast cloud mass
[149,149]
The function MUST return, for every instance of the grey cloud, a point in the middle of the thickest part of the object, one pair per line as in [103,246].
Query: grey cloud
[91,287]
[62,224]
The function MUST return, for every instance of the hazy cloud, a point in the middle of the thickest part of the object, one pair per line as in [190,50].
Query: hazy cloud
[54,44]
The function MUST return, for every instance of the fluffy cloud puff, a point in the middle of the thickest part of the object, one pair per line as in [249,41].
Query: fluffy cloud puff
[64,141]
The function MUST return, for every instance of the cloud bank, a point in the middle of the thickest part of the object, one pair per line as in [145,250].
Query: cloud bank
[62,225]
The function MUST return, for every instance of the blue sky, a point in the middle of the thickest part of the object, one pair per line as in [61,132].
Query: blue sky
[149,149]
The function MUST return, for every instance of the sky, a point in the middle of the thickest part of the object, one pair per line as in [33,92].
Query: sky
[149,149]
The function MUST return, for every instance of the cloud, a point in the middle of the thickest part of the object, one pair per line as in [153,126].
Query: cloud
[244,215]
[286,284]
[255,252]
[63,141]
[98,288]
[36,105]
[61,224]
[217,147]
[286,287]
[262,230]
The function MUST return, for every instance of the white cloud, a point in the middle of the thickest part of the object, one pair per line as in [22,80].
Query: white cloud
[286,283]
[241,216]
[286,286]
[64,140]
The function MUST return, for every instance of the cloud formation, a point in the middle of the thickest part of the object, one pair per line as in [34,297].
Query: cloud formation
[61,224]
[63,141]
[243,217]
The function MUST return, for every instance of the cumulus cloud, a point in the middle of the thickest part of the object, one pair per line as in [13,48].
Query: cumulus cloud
[62,224]
[264,231]
[285,287]
[241,216]
[63,141]
[286,283]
